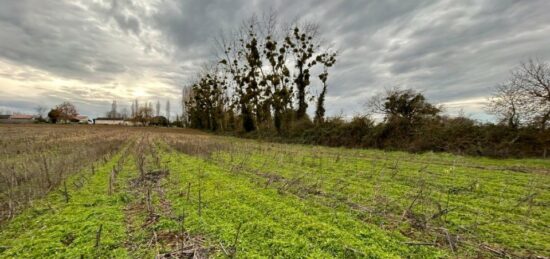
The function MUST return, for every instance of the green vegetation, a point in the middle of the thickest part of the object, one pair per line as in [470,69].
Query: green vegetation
[263,82]
[90,224]
[165,193]
[256,221]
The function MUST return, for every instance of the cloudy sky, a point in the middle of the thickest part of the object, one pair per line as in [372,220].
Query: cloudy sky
[91,52]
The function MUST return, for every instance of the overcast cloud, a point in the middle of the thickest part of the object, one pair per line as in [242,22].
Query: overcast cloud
[92,52]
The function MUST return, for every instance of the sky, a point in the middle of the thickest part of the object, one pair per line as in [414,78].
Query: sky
[91,52]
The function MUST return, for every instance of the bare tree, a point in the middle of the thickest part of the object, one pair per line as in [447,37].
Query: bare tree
[136,107]
[133,109]
[144,114]
[157,111]
[40,111]
[113,113]
[525,97]
[186,96]
[167,110]
[508,104]
[327,59]
[266,65]
[5,112]
[533,79]
[124,113]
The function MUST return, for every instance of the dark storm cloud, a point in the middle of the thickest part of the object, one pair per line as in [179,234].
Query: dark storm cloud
[453,51]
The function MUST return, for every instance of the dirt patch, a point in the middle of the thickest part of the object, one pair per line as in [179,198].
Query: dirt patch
[182,245]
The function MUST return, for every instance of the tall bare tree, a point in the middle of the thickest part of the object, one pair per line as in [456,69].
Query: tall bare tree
[533,79]
[327,59]
[266,65]
[168,110]
[124,113]
[157,111]
[113,113]
[40,111]
[525,97]
[186,95]
[133,110]
[508,104]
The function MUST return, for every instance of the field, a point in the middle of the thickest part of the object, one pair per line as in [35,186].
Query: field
[122,192]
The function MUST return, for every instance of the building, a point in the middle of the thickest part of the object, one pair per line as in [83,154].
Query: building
[17,118]
[82,119]
[5,118]
[109,121]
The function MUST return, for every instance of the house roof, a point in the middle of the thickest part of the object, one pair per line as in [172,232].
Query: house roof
[4,117]
[81,117]
[21,117]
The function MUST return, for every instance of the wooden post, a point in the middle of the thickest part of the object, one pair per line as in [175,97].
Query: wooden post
[188,190]
[236,241]
[200,202]
[98,236]
[65,192]
[111,182]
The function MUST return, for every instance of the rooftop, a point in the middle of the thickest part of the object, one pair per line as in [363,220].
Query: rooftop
[21,117]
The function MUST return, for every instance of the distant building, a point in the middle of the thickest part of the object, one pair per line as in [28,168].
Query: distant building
[17,118]
[109,121]
[4,118]
[82,119]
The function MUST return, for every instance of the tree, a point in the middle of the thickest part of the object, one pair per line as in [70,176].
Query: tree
[40,111]
[525,97]
[67,111]
[144,115]
[327,59]
[64,112]
[136,107]
[157,111]
[133,110]
[407,105]
[113,113]
[508,104]
[265,66]
[207,107]
[303,45]
[168,110]
[159,121]
[124,113]
[533,80]
[186,96]
[54,115]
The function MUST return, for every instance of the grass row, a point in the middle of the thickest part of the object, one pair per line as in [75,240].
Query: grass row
[504,208]
[54,228]
[237,214]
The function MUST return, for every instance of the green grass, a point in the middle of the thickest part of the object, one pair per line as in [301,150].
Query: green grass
[274,224]
[488,201]
[263,200]
[52,228]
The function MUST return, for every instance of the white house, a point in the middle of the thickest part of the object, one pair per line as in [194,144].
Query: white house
[81,119]
[109,121]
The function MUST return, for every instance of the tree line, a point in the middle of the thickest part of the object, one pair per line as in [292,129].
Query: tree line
[144,114]
[262,78]
[260,86]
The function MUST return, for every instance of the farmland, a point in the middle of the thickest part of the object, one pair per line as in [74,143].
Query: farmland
[123,192]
